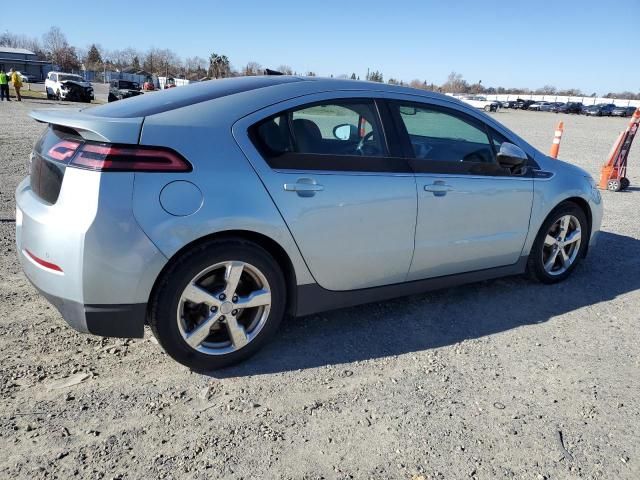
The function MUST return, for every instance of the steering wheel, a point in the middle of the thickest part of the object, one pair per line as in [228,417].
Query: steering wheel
[361,142]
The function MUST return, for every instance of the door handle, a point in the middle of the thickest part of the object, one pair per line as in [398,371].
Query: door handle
[304,187]
[438,188]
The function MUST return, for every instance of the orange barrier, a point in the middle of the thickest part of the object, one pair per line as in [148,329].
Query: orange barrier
[614,171]
[555,146]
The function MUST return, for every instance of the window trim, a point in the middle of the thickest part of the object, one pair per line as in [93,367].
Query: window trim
[393,162]
[421,166]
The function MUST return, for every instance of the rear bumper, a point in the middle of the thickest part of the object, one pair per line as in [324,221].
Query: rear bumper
[86,253]
[124,321]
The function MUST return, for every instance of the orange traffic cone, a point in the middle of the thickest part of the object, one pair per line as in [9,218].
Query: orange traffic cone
[555,146]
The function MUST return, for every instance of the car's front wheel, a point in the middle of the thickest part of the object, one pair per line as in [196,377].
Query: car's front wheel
[218,304]
[560,244]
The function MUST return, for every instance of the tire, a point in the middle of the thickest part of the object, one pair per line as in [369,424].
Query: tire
[614,185]
[217,348]
[487,108]
[541,250]
[58,95]
[624,183]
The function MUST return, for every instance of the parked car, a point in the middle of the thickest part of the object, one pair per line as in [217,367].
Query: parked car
[570,107]
[524,104]
[68,86]
[510,104]
[601,109]
[623,111]
[121,89]
[478,101]
[538,106]
[148,86]
[552,107]
[247,199]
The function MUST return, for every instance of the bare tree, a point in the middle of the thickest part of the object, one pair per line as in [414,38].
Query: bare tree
[285,70]
[455,84]
[252,68]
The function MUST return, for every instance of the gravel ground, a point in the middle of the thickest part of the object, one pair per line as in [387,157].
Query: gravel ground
[502,379]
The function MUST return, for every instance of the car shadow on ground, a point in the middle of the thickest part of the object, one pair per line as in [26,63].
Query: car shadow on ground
[446,317]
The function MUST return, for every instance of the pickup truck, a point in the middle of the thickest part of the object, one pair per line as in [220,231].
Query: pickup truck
[479,101]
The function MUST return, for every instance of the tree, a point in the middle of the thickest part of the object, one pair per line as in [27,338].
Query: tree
[455,84]
[393,81]
[285,70]
[94,58]
[135,63]
[59,51]
[375,76]
[252,69]
[546,90]
[219,66]
[353,76]
[310,74]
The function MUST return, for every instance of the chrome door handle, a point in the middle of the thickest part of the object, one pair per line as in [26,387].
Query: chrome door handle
[305,187]
[438,188]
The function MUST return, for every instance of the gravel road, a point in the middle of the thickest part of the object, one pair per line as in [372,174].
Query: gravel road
[501,379]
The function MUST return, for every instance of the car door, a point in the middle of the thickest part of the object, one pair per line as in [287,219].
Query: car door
[472,213]
[349,202]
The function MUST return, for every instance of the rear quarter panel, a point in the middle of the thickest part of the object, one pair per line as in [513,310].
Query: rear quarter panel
[233,196]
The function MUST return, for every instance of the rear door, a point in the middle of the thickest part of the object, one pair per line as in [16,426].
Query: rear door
[472,213]
[347,196]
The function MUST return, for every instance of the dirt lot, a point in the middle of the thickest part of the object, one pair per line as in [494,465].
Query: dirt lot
[472,382]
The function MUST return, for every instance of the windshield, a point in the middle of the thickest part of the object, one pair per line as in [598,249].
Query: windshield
[75,78]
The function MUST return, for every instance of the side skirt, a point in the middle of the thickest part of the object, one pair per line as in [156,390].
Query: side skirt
[312,298]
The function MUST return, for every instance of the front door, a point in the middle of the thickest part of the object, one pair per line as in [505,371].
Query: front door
[472,213]
[348,202]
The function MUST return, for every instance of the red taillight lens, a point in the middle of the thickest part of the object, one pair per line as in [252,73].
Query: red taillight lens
[121,158]
[124,158]
[63,150]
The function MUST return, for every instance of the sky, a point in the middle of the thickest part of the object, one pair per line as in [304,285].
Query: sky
[585,44]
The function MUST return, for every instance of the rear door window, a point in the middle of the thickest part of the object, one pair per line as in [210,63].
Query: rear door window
[339,135]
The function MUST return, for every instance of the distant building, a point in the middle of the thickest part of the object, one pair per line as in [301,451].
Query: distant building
[24,61]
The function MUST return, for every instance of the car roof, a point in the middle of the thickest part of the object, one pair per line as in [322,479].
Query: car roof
[171,99]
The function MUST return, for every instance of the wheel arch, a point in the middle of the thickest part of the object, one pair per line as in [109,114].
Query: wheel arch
[271,246]
[584,206]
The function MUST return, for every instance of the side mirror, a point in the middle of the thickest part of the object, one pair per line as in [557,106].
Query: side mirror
[511,156]
[345,131]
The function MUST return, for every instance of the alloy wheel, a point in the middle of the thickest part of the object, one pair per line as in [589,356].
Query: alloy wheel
[224,307]
[561,245]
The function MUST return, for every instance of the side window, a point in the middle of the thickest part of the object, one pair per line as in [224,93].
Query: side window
[338,128]
[337,135]
[442,136]
[54,77]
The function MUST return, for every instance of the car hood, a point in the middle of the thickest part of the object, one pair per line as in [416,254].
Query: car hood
[77,83]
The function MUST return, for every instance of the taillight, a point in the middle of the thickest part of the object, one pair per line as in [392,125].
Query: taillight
[121,158]
[63,150]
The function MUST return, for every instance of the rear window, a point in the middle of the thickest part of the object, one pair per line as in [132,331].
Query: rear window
[171,99]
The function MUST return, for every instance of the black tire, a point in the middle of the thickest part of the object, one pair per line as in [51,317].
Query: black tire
[535,266]
[164,303]
[624,183]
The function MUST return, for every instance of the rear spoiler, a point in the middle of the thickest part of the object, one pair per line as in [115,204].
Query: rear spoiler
[92,127]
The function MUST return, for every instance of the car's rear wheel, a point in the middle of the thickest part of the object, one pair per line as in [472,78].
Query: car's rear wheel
[218,304]
[560,244]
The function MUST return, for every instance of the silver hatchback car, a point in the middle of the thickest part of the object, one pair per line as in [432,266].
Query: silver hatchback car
[210,212]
